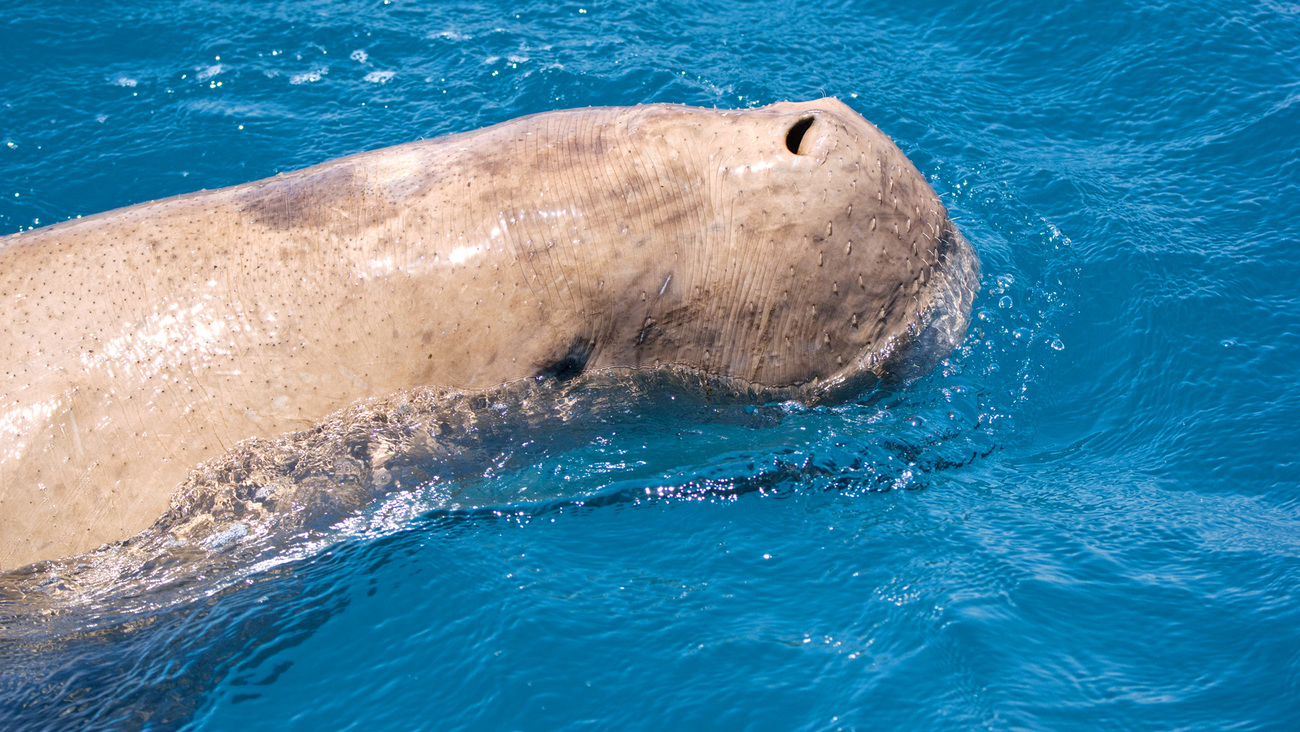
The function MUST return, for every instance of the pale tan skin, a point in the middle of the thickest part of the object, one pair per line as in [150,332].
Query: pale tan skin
[137,343]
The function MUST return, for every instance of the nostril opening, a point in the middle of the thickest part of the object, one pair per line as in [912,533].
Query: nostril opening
[794,138]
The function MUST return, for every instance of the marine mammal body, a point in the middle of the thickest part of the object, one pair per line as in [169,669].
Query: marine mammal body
[792,248]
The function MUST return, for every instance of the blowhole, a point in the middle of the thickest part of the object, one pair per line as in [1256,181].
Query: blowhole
[794,138]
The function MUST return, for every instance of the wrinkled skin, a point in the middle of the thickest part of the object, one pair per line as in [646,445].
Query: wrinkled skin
[801,258]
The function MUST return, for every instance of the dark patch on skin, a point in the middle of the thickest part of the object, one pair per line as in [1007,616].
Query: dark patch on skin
[490,163]
[646,328]
[587,144]
[947,242]
[301,199]
[571,364]
[679,327]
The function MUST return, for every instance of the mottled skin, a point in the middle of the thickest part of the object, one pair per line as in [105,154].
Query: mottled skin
[137,343]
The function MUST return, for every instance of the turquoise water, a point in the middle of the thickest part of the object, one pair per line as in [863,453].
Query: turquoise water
[1088,517]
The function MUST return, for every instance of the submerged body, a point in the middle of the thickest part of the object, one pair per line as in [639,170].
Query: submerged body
[792,248]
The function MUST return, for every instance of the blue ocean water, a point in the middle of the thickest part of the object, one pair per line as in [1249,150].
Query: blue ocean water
[1088,517]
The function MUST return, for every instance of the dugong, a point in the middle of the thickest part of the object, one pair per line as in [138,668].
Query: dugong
[791,248]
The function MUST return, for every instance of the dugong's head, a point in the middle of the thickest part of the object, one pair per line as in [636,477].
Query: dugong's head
[826,261]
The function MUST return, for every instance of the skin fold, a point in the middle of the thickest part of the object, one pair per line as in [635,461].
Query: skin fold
[792,248]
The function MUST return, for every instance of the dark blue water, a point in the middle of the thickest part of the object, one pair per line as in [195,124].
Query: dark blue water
[1087,518]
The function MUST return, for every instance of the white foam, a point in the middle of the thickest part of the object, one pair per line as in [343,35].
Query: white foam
[308,77]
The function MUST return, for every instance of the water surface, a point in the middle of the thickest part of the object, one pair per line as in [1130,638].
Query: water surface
[1088,517]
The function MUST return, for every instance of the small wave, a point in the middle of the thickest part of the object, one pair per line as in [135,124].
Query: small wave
[309,77]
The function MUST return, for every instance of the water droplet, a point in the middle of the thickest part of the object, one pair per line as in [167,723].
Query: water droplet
[1005,302]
